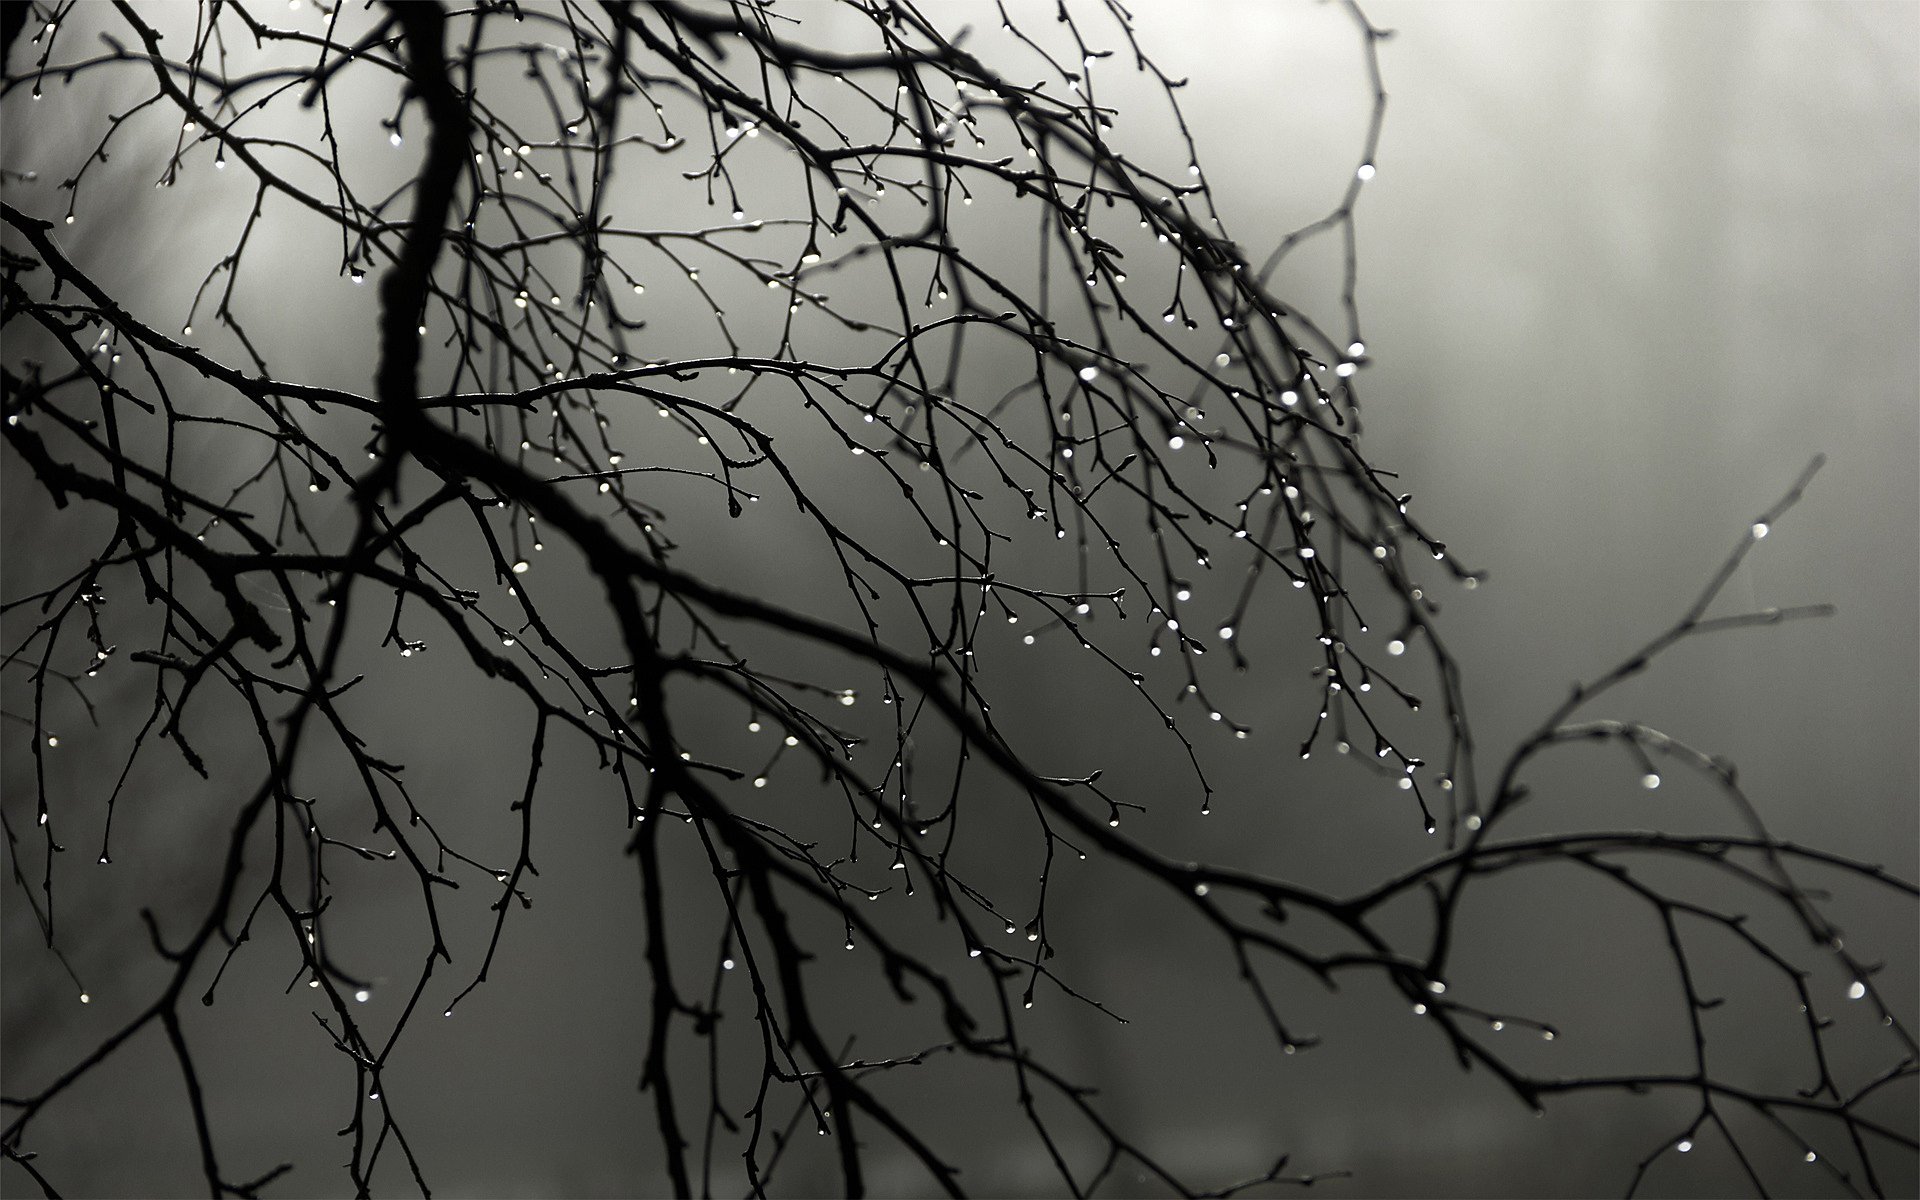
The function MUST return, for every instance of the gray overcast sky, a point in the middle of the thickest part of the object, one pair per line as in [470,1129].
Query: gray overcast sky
[1625,268]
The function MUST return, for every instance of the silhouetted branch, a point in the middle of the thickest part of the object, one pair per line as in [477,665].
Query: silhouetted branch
[839,355]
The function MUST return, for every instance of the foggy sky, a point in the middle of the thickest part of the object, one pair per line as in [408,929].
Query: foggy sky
[1625,269]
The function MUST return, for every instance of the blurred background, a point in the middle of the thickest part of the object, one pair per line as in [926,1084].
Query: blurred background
[1624,270]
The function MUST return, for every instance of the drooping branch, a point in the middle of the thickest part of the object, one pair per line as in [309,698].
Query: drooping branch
[995,442]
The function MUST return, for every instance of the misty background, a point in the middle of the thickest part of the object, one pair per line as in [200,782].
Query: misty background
[1624,269]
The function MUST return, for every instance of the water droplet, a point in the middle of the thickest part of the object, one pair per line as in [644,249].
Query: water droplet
[1396,647]
[1365,172]
[1760,530]
[1650,781]
[520,568]
[363,995]
[1684,1145]
[1089,374]
[1856,990]
[1812,1157]
[85,998]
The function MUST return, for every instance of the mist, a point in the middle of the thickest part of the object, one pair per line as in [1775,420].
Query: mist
[1624,270]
